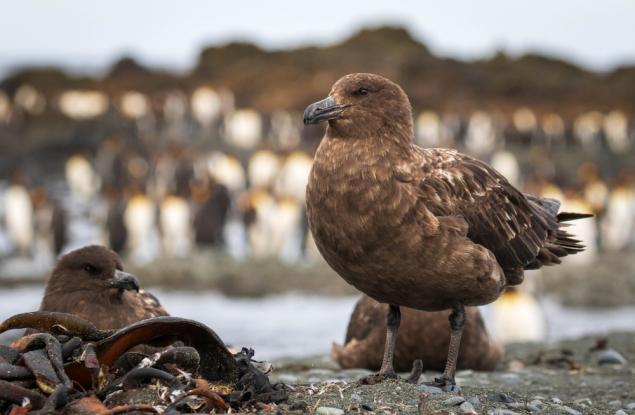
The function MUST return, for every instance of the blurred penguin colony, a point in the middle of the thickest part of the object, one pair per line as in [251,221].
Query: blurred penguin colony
[178,172]
[158,165]
[184,170]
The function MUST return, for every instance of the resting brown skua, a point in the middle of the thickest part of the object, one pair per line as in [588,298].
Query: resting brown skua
[430,229]
[423,335]
[90,283]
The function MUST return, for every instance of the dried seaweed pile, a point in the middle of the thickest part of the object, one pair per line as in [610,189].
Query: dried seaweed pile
[164,365]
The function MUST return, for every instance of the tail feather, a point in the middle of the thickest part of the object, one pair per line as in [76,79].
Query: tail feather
[568,216]
[561,243]
[564,240]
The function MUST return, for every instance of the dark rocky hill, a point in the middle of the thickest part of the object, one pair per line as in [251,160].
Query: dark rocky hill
[273,79]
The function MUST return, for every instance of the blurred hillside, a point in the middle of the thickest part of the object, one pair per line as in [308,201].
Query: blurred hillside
[289,79]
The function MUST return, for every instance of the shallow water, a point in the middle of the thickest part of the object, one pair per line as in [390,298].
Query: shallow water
[302,325]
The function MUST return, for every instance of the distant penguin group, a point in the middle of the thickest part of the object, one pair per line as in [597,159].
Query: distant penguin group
[35,222]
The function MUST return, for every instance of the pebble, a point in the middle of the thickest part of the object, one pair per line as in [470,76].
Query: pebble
[610,357]
[557,400]
[583,402]
[536,402]
[621,412]
[467,408]
[454,401]
[532,408]
[327,410]
[616,403]
[356,397]
[474,400]
[630,405]
[429,389]
[452,388]
[571,411]
[500,397]
[500,411]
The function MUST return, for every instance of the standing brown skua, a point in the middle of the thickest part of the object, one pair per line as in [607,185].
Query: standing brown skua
[430,229]
[90,283]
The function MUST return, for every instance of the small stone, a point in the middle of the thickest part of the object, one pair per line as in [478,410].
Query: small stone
[451,388]
[630,405]
[327,410]
[557,400]
[583,402]
[500,411]
[621,412]
[536,402]
[610,357]
[356,397]
[474,400]
[571,411]
[616,403]
[467,408]
[500,397]
[532,408]
[429,389]
[454,401]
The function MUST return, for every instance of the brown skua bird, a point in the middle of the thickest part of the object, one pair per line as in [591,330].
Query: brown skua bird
[90,283]
[430,229]
[422,335]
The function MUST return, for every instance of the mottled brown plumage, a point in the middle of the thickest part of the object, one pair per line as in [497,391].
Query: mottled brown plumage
[422,335]
[90,282]
[429,229]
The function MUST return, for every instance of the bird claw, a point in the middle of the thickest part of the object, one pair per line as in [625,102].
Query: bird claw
[445,384]
[379,377]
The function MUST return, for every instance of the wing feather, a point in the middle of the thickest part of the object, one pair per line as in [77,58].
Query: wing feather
[512,225]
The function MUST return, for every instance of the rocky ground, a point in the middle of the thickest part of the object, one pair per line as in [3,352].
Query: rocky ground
[560,378]
[564,378]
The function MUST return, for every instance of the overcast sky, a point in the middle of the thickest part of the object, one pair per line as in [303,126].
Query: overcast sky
[88,35]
